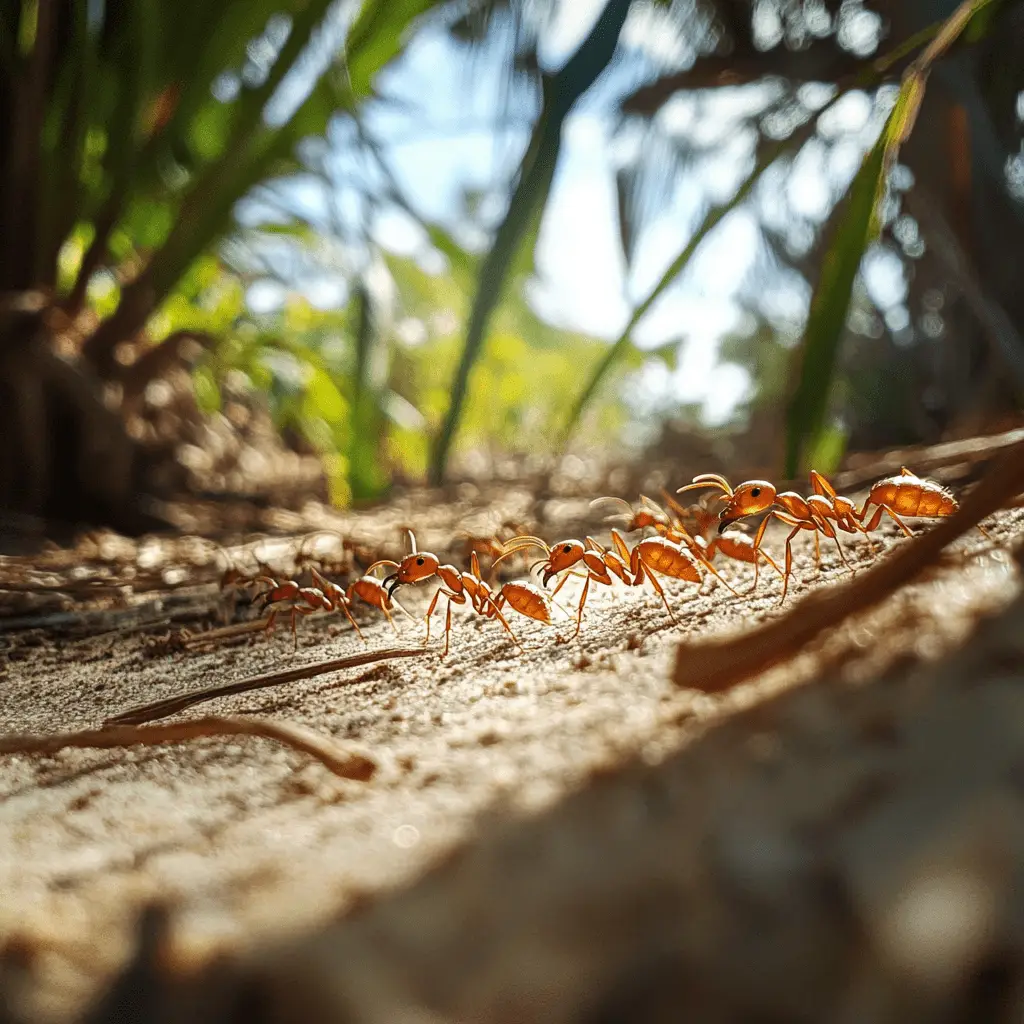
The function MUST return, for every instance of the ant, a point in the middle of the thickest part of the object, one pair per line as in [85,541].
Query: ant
[322,596]
[651,555]
[822,512]
[907,495]
[733,543]
[460,587]
[309,559]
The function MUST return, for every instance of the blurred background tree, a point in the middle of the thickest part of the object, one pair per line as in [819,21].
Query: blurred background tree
[387,229]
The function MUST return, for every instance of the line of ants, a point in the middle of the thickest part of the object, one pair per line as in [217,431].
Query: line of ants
[677,549]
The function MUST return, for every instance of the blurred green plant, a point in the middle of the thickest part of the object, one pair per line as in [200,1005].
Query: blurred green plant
[809,438]
[854,224]
[368,385]
[128,132]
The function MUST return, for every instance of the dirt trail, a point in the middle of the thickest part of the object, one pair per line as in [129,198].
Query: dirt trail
[253,842]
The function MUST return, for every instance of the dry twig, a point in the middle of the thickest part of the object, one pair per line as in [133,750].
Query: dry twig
[348,763]
[171,705]
[719,664]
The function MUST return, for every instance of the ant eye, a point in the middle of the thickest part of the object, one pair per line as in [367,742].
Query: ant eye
[566,548]
[419,561]
[755,492]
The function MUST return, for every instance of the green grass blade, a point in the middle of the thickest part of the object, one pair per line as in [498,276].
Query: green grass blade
[377,37]
[561,92]
[624,342]
[857,227]
[530,196]
[830,303]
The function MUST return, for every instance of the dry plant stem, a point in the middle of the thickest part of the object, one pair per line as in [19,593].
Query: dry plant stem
[171,705]
[720,664]
[346,763]
[233,632]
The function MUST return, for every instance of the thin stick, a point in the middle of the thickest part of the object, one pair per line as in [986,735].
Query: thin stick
[209,636]
[349,764]
[171,705]
[719,664]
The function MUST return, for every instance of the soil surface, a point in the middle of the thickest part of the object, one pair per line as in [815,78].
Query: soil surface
[584,781]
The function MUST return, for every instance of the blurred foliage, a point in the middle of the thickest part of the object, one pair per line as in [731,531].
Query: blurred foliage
[368,392]
[164,170]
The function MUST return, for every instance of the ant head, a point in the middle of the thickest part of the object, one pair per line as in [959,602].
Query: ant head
[417,566]
[563,555]
[747,500]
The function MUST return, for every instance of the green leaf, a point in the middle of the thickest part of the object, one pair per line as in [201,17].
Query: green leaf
[561,92]
[463,265]
[857,227]
[826,321]
[206,389]
[325,398]
[377,37]
[828,450]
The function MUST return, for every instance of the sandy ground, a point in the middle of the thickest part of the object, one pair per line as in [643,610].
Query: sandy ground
[253,843]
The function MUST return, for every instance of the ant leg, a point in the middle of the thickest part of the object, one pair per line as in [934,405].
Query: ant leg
[852,525]
[842,555]
[495,612]
[877,518]
[343,605]
[771,561]
[789,561]
[430,611]
[707,565]
[447,627]
[620,545]
[579,610]
[388,616]
[817,552]
[564,579]
[829,530]
[645,570]
[758,537]
[295,635]
[269,627]
[819,485]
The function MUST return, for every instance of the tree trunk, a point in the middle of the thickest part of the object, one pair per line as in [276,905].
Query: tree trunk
[66,457]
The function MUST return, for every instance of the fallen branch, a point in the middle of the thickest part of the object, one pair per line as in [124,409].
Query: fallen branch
[347,763]
[171,705]
[719,664]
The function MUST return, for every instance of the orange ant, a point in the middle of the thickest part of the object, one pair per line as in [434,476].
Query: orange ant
[651,555]
[907,495]
[370,590]
[822,512]
[323,597]
[732,544]
[599,566]
[460,587]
